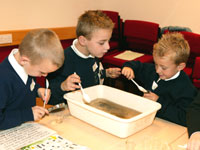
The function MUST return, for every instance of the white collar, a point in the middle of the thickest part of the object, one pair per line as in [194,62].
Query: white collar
[17,67]
[173,77]
[78,52]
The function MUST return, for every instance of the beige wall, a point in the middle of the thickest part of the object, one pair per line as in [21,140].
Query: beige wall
[27,14]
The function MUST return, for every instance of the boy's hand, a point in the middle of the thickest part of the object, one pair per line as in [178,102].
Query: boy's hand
[113,72]
[152,96]
[128,73]
[70,83]
[39,112]
[194,141]
[41,93]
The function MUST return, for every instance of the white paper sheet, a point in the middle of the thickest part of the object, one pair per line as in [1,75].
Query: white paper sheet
[34,136]
[27,133]
[128,55]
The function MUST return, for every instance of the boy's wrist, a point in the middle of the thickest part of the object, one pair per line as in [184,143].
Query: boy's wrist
[107,73]
[62,86]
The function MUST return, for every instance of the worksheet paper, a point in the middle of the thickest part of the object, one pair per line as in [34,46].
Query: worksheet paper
[35,136]
[128,55]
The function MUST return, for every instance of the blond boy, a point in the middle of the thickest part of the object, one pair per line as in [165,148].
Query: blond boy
[39,53]
[94,30]
[167,82]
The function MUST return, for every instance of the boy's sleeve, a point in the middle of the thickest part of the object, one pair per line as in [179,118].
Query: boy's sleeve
[11,118]
[141,70]
[193,116]
[175,104]
[56,91]
[56,78]
[14,118]
[135,65]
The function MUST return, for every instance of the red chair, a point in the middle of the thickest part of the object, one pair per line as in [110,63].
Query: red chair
[115,40]
[139,36]
[66,43]
[194,42]
[196,73]
[5,51]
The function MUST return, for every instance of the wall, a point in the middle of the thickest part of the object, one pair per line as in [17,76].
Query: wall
[27,14]
[165,12]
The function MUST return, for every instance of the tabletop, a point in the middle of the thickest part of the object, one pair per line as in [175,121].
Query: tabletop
[160,133]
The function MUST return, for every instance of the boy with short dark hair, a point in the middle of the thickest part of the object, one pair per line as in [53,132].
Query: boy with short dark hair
[94,30]
[167,82]
[39,53]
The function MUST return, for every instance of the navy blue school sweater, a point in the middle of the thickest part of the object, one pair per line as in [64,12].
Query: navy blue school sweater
[175,95]
[74,63]
[16,98]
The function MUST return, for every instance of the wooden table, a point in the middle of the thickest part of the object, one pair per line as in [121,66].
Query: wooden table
[39,102]
[181,141]
[85,134]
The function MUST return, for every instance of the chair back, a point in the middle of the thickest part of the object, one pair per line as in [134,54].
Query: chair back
[140,35]
[115,41]
[194,43]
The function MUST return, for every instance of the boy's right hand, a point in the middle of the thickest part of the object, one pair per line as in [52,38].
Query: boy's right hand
[70,84]
[39,112]
[128,73]
[194,141]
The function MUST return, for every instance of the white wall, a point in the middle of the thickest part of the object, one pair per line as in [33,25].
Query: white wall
[165,12]
[27,14]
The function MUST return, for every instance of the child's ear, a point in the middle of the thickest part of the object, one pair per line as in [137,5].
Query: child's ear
[24,60]
[82,40]
[181,66]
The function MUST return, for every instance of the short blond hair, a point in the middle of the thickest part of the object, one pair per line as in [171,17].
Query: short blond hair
[173,44]
[42,44]
[92,20]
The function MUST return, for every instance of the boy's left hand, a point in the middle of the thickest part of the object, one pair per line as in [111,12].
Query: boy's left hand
[152,96]
[41,93]
[113,72]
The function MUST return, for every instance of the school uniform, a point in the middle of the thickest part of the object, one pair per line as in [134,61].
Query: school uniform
[18,93]
[89,69]
[175,94]
[193,116]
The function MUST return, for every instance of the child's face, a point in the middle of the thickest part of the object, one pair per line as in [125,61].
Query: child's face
[41,69]
[165,67]
[98,45]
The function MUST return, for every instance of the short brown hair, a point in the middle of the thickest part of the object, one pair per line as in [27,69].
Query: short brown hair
[175,44]
[42,44]
[92,20]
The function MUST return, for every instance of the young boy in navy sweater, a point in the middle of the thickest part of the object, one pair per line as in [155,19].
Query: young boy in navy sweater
[167,82]
[94,30]
[39,53]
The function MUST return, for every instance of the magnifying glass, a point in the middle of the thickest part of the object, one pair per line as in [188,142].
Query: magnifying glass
[56,108]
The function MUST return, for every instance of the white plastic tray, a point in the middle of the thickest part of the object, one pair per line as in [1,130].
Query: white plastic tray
[108,122]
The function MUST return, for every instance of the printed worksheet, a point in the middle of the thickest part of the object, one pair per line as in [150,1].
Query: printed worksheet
[29,136]
[54,142]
